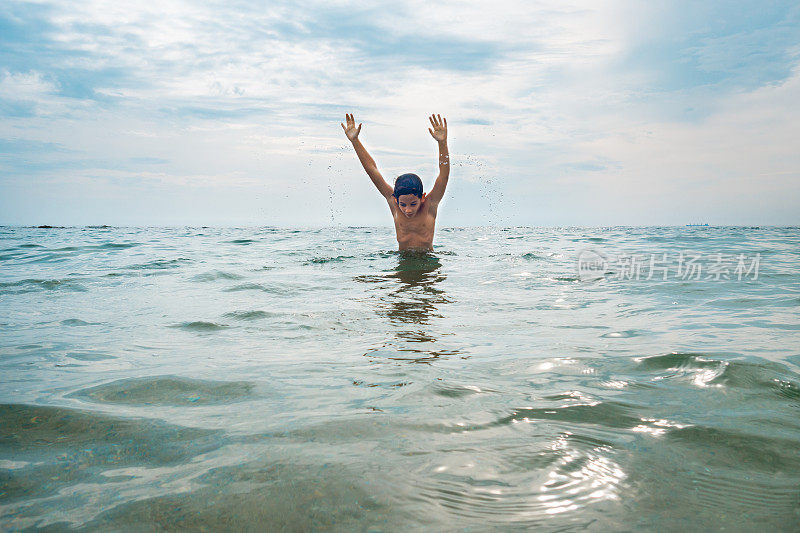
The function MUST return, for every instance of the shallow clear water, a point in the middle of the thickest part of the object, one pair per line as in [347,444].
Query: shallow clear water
[314,379]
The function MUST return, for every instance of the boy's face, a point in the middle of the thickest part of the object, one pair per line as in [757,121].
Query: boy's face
[409,204]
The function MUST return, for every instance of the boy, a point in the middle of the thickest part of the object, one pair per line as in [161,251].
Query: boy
[413,211]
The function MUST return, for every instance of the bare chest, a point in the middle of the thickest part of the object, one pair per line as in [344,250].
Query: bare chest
[416,231]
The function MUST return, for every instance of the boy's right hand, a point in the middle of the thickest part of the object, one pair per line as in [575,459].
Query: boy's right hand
[350,130]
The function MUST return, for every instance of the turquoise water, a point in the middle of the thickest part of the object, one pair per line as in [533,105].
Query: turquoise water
[252,379]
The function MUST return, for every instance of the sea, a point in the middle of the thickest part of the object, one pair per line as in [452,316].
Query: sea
[315,379]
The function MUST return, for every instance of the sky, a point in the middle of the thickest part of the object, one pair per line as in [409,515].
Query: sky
[560,113]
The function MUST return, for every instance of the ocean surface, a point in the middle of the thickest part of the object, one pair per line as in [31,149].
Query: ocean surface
[562,379]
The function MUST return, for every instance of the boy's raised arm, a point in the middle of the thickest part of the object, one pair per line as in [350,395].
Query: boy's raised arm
[439,133]
[366,160]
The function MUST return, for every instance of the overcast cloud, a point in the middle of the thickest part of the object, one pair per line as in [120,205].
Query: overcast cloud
[583,113]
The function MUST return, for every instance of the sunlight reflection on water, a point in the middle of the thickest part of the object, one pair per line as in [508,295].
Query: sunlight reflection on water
[316,379]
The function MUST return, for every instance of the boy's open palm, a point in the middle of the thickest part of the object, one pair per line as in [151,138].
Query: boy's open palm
[439,131]
[350,130]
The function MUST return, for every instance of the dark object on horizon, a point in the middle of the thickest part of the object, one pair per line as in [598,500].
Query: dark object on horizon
[45,226]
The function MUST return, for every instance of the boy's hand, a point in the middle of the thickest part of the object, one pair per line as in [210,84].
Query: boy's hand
[439,131]
[351,131]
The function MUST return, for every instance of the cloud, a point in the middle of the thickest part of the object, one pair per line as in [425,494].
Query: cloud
[572,102]
[24,86]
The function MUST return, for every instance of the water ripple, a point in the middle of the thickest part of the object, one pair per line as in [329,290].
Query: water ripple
[167,390]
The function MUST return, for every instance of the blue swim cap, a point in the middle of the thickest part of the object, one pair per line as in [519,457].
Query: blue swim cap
[407,184]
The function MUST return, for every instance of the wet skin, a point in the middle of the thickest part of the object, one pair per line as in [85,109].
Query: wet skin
[414,222]
[414,217]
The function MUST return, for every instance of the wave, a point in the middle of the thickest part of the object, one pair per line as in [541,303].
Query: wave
[530,256]
[215,275]
[161,264]
[199,325]
[41,437]
[256,287]
[33,285]
[250,315]
[76,322]
[323,260]
[56,255]
[167,390]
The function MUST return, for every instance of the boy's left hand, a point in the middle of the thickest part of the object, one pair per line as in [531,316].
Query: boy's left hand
[439,131]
